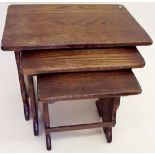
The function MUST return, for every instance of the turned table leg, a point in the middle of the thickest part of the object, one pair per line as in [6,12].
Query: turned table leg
[107,108]
[47,125]
[34,108]
[24,93]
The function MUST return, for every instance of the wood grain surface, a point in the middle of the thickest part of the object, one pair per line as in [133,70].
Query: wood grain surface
[71,26]
[68,86]
[52,61]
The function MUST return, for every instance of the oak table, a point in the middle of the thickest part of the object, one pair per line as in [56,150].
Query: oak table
[107,86]
[32,28]
[38,62]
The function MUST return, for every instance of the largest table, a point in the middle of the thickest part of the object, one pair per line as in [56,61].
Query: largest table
[41,27]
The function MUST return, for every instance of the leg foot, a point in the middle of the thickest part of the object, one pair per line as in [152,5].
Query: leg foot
[35,128]
[108,134]
[22,87]
[48,142]
[47,125]
[34,107]
[107,109]
[26,112]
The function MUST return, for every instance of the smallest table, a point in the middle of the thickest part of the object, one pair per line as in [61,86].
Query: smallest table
[108,86]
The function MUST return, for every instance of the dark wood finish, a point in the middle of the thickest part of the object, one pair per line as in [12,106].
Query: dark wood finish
[99,106]
[79,127]
[71,26]
[53,61]
[107,108]
[68,86]
[109,86]
[23,90]
[47,125]
[68,27]
[34,108]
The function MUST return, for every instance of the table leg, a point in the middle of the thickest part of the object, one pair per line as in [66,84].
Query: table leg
[47,125]
[34,107]
[24,93]
[107,108]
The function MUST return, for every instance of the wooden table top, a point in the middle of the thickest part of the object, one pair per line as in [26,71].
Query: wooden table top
[68,86]
[70,26]
[54,61]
